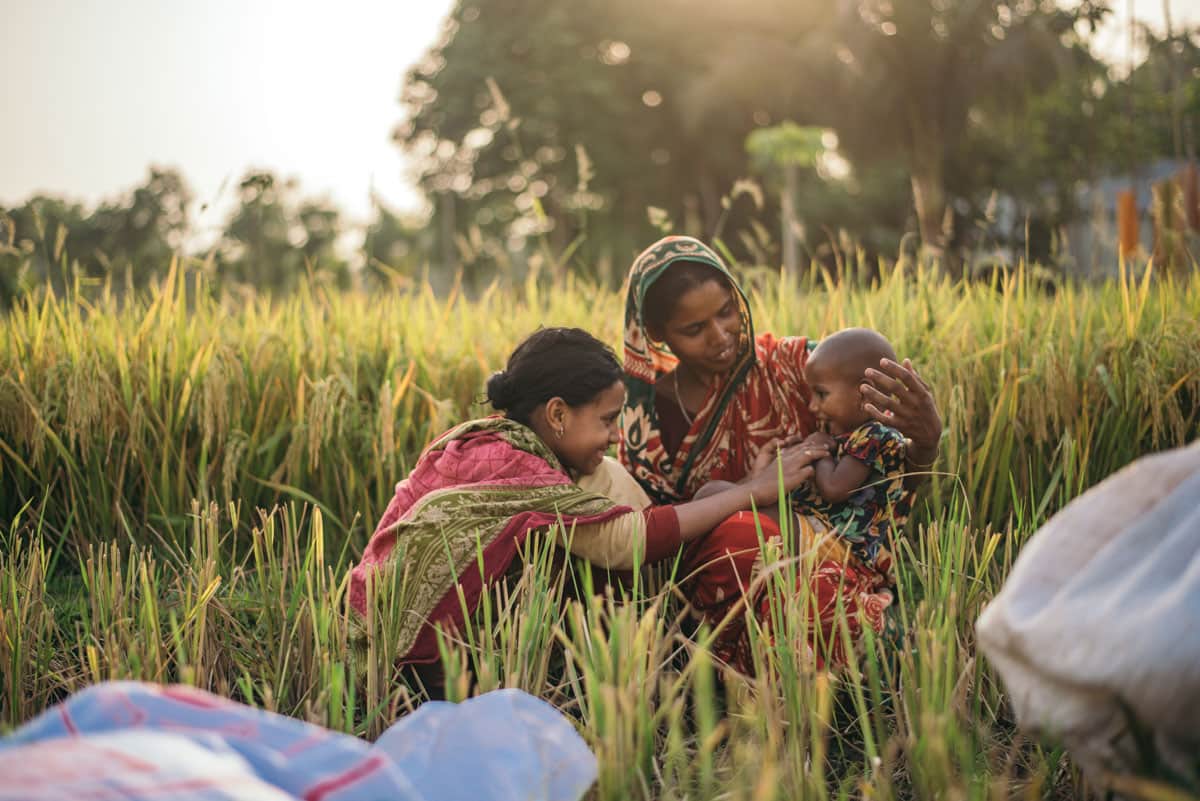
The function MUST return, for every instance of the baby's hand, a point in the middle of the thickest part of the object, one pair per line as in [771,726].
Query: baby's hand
[766,455]
[793,468]
[822,440]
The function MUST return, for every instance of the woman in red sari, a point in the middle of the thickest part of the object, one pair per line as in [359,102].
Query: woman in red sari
[706,397]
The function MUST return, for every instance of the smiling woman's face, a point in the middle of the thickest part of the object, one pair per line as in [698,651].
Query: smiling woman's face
[704,329]
[589,430]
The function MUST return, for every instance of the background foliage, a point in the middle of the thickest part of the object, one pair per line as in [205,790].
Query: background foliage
[583,130]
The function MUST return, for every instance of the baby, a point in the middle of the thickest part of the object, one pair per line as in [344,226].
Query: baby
[859,488]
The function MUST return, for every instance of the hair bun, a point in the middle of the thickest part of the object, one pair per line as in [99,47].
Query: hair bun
[500,390]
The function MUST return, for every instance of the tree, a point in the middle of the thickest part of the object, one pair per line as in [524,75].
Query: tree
[956,67]
[787,147]
[663,95]
[1088,125]
[132,237]
[533,119]
[272,240]
[908,81]
[396,246]
[142,234]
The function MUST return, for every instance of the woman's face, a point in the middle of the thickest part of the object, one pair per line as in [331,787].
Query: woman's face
[589,430]
[704,330]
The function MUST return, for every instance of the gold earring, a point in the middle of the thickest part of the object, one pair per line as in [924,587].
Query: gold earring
[561,430]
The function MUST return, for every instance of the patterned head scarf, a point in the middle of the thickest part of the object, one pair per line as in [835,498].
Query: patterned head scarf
[665,478]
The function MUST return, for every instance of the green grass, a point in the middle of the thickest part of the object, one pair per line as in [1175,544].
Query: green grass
[140,441]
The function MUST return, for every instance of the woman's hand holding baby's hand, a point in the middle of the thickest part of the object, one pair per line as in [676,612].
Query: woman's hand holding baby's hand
[765,458]
[821,439]
[795,465]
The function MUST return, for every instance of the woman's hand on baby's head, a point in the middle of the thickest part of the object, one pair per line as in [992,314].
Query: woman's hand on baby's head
[898,397]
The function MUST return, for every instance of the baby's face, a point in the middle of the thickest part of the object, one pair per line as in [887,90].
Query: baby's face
[836,399]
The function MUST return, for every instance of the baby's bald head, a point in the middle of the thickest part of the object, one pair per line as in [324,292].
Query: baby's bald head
[849,352]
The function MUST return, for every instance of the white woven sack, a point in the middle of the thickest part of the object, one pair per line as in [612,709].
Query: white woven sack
[1096,632]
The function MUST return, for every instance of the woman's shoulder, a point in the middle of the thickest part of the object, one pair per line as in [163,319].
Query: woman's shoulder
[494,432]
[489,448]
[493,424]
[613,481]
[780,361]
[770,347]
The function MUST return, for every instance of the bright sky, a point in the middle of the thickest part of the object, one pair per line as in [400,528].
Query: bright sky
[1112,41]
[94,91]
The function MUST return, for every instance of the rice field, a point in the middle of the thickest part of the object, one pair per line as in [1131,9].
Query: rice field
[186,477]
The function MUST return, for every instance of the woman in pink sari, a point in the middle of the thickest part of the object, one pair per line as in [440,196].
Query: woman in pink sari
[458,520]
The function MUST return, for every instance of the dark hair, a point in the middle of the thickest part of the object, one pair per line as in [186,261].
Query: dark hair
[680,277]
[567,363]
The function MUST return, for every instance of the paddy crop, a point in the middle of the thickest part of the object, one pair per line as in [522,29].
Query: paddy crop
[186,477]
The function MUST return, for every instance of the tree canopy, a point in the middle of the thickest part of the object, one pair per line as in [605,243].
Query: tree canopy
[567,135]
[935,105]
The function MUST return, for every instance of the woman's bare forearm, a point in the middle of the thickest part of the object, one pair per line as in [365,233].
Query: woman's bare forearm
[698,517]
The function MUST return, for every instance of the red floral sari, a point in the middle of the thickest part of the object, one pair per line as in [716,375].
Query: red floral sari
[824,583]
[765,396]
